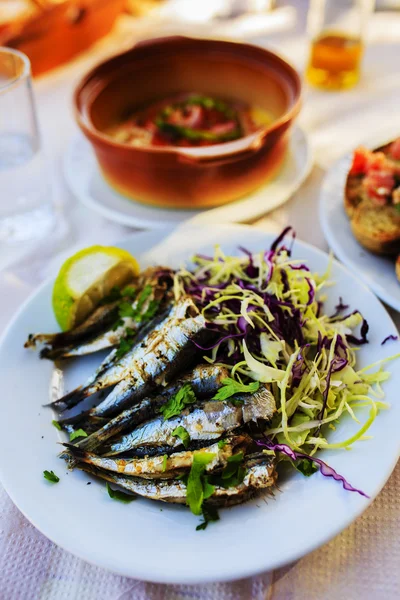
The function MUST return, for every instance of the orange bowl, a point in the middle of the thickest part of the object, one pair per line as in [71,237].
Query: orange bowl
[183,177]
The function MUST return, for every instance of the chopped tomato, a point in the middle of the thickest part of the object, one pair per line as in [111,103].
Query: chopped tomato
[377,161]
[379,185]
[394,149]
[360,161]
[396,196]
[365,160]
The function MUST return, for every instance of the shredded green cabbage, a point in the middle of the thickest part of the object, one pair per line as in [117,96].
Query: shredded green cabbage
[269,306]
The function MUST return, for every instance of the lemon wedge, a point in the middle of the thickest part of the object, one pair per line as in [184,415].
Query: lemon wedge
[86,278]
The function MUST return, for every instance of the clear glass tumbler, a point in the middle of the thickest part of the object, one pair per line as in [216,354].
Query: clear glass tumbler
[337,31]
[26,207]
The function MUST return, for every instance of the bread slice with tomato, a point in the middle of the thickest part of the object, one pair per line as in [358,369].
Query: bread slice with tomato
[372,198]
[397,266]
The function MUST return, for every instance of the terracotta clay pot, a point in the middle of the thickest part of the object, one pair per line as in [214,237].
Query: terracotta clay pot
[188,177]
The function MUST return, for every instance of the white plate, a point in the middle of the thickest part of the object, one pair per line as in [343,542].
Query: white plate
[376,271]
[87,184]
[150,541]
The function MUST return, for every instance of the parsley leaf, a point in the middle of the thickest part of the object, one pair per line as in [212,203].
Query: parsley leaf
[144,294]
[56,425]
[208,488]
[197,486]
[126,309]
[151,310]
[112,296]
[232,464]
[222,443]
[117,495]
[128,291]
[175,405]
[183,434]
[134,311]
[183,477]
[210,514]
[51,476]
[164,463]
[117,324]
[306,466]
[125,344]
[76,434]
[236,401]
[232,475]
[230,387]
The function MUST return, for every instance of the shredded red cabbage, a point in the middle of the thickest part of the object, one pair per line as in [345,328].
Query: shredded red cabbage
[363,331]
[338,364]
[280,238]
[301,267]
[390,337]
[287,321]
[326,392]
[285,281]
[268,256]
[311,292]
[339,308]
[299,367]
[251,270]
[325,469]
[227,337]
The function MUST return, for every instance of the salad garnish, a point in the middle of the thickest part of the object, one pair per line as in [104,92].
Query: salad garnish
[118,495]
[392,337]
[267,309]
[51,476]
[175,405]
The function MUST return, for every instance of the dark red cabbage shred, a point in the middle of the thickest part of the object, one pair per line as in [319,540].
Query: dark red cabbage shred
[339,308]
[390,337]
[324,468]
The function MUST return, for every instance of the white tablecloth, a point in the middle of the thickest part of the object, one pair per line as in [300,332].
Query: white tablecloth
[362,562]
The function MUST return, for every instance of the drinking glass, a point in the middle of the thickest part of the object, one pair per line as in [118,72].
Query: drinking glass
[337,30]
[26,208]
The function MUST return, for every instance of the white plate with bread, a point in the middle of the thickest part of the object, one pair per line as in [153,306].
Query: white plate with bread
[360,216]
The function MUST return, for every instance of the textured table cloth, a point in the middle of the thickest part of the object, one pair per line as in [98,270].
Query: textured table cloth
[361,563]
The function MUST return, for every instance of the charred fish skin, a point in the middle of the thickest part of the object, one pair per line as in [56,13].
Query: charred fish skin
[162,490]
[260,475]
[159,466]
[98,320]
[205,423]
[169,353]
[260,405]
[204,379]
[208,421]
[128,418]
[160,282]
[103,317]
[106,368]
[112,371]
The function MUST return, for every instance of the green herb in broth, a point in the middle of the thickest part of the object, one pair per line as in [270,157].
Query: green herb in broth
[191,120]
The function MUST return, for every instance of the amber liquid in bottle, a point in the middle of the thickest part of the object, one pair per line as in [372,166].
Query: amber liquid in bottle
[334,61]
